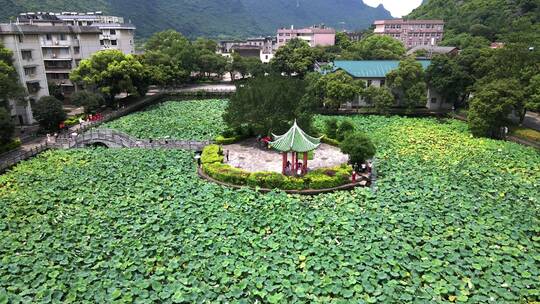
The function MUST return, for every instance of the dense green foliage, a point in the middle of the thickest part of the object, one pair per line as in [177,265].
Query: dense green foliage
[358,146]
[380,98]
[111,72]
[9,79]
[408,84]
[91,102]
[212,18]
[268,104]
[488,19]
[49,113]
[455,218]
[189,119]
[376,47]
[333,89]
[491,105]
[6,126]
[448,78]
[294,58]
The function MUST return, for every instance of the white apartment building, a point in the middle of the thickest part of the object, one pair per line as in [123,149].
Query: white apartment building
[44,54]
[46,49]
[115,33]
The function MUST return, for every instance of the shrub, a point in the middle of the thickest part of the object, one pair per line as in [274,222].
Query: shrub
[358,146]
[222,140]
[344,129]
[49,113]
[330,141]
[12,145]
[226,173]
[211,154]
[269,180]
[90,101]
[293,183]
[331,127]
[529,134]
[6,127]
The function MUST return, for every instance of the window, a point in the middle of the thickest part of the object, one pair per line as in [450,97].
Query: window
[101,42]
[76,50]
[33,87]
[29,71]
[21,38]
[383,82]
[434,100]
[26,55]
[62,37]
[48,37]
[280,40]
[113,32]
[369,83]
[113,42]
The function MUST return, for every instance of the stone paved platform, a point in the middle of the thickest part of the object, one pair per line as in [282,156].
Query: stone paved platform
[249,156]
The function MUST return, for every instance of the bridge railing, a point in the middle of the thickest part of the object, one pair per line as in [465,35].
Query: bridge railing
[17,156]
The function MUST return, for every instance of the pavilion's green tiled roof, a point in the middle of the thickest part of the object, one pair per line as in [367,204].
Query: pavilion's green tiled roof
[371,68]
[295,140]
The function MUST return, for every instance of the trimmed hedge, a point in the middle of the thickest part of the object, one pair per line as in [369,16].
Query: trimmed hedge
[526,133]
[324,178]
[220,139]
[211,154]
[330,141]
[14,144]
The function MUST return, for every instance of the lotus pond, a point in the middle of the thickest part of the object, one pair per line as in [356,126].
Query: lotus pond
[183,120]
[454,219]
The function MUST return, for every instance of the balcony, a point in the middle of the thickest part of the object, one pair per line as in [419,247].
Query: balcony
[56,43]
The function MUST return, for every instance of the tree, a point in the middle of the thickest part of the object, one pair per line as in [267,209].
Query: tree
[267,104]
[358,146]
[380,98]
[448,78]
[344,129]
[375,47]
[91,102]
[9,80]
[111,72]
[491,105]
[49,113]
[407,84]
[343,41]
[6,127]
[334,89]
[295,57]
[170,58]
[533,93]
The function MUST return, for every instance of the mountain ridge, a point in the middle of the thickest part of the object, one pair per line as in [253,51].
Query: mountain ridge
[214,18]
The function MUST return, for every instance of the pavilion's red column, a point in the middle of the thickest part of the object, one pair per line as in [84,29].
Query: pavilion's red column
[293,162]
[283,171]
[304,169]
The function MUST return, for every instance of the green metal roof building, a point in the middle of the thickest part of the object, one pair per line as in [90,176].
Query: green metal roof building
[371,69]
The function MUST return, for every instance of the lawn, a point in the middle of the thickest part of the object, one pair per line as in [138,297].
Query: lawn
[454,219]
[184,120]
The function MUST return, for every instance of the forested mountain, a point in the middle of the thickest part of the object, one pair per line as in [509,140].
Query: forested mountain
[214,18]
[491,19]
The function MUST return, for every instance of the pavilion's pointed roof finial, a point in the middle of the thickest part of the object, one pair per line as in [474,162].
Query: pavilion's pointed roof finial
[295,140]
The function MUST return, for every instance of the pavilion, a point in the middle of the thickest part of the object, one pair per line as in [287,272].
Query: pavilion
[295,141]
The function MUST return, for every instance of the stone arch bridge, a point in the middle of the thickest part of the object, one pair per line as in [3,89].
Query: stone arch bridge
[116,139]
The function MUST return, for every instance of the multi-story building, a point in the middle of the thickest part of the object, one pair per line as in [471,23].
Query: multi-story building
[44,54]
[115,33]
[411,32]
[264,46]
[318,35]
[46,49]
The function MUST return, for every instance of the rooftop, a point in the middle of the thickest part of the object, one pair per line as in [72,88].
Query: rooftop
[46,29]
[433,49]
[371,68]
[295,140]
[401,21]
